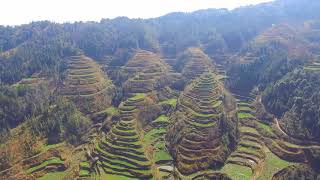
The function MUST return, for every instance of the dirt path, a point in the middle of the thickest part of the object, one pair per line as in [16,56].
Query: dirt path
[312,144]
[279,127]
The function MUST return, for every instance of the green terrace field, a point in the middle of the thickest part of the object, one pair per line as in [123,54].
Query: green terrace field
[237,172]
[271,165]
[242,115]
[155,138]
[84,169]
[53,176]
[121,152]
[266,128]
[151,136]
[163,119]
[315,67]
[249,153]
[50,162]
[137,96]
[172,102]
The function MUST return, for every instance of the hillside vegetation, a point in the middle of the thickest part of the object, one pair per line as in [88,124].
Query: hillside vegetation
[212,94]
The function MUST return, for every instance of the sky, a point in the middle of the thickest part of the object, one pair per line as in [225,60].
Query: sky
[15,12]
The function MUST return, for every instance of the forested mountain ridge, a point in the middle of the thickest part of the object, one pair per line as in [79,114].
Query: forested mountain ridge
[208,94]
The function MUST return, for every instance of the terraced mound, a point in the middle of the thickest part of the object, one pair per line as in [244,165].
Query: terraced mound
[146,71]
[87,85]
[195,137]
[121,152]
[196,63]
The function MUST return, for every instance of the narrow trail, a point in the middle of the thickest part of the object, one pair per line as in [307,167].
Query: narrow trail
[310,144]
[278,126]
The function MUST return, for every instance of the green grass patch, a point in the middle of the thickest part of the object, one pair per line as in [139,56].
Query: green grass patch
[163,175]
[245,129]
[216,104]
[237,172]
[111,111]
[161,119]
[52,161]
[248,150]
[125,163]
[241,103]
[162,156]
[112,156]
[196,124]
[242,115]
[200,115]
[171,102]
[115,167]
[84,173]
[250,143]
[53,176]
[137,97]
[85,164]
[160,145]
[153,134]
[272,165]
[244,108]
[115,177]
[265,127]
[51,146]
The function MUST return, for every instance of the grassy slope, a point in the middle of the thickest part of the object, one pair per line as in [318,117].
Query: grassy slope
[53,176]
[237,172]
[44,164]
[272,165]
[244,115]
[172,102]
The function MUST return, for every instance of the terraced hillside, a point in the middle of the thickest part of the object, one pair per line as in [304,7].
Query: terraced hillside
[194,139]
[32,81]
[86,85]
[48,159]
[263,149]
[249,153]
[315,66]
[121,152]
[146,71]
[196,63]
[154,138]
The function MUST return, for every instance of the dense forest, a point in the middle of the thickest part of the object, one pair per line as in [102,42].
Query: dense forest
[216,93]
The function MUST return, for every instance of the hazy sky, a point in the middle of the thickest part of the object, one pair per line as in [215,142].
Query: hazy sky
[15,12]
